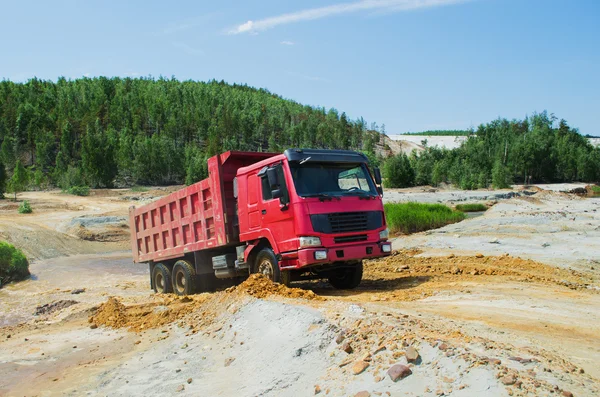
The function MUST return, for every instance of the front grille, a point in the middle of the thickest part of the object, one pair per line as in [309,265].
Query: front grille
[344,222]
[350,239]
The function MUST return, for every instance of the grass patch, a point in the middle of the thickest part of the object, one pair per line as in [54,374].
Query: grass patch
[79,190]
[471,207]
[139,189]
[595,190]
[13,264]
[25,208]
[417,217]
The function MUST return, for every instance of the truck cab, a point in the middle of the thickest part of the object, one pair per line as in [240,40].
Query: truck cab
[319,211]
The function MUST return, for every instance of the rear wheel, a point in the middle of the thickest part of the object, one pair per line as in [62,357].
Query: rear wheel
[184,278]
[266,264]
[347,278]
[161,277]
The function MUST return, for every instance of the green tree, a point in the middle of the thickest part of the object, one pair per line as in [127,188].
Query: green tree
[500,179]
[2,179]
[18,181]
[398,172]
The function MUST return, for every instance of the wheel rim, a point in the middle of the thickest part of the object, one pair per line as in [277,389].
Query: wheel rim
[180,281]
[159,281]
[266,268]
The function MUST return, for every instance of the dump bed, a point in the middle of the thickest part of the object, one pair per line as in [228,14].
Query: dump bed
[197,217]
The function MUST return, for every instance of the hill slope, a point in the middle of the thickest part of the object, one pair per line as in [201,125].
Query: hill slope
[153,131]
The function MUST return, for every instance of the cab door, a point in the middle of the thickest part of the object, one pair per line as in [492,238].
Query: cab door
[276,215]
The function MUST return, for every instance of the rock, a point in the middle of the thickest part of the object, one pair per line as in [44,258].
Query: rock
[443,347]
[450,256]
[378,379]
[479,256]
[363,393]
[180,388]
[508,380]
[8,336]
[398,371]
[347,347]
[178,370]
[189,380]
[359,367]
[93,326]
[78,291]
[494,241]
[317,389]
[412,355]
[521,360]
[340,337]
[546,245]
[50,308]
[229,361]
[567,393]
[455,270]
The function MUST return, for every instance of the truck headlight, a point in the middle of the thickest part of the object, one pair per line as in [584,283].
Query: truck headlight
[386,248]
[309,242]
[384,234]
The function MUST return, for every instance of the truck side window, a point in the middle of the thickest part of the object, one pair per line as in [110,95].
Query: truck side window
[267,193]
[266,189]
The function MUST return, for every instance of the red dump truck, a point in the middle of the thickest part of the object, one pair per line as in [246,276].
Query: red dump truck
[304,214]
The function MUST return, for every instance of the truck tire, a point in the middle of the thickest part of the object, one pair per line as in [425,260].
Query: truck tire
[161,279]
[266,263]
[184,278]
[347,278]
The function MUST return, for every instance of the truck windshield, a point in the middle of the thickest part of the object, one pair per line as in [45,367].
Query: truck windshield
[330,179]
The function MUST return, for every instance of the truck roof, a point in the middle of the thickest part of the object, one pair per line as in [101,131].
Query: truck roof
[325,156]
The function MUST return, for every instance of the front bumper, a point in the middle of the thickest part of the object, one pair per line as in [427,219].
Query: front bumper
[308,256]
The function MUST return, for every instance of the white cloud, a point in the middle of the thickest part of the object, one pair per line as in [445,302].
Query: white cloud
[336,9]
[188,49]
[287,42]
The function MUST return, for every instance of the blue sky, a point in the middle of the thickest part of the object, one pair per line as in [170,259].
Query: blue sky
[409,64]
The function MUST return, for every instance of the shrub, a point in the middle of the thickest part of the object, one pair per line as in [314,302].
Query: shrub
[72,177]
[417,217]
[500,177]
[13,264]
[471,207]
[398,172]
[139,189]
[79,190]
[595,190]
[25,208]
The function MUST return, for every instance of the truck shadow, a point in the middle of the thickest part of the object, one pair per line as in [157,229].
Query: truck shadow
[323,288]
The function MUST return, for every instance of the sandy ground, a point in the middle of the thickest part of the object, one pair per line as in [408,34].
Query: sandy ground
[482,322]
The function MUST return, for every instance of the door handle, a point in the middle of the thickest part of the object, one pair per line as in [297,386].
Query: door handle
[264,212]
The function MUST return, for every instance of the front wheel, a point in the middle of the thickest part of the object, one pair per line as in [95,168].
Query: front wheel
[266,264]
[184,278]
[347,278]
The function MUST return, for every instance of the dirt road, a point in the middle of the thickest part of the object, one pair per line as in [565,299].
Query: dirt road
[483,323]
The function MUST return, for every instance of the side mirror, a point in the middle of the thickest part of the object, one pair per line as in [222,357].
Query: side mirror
[277,193]
[273,178]
[377,173]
